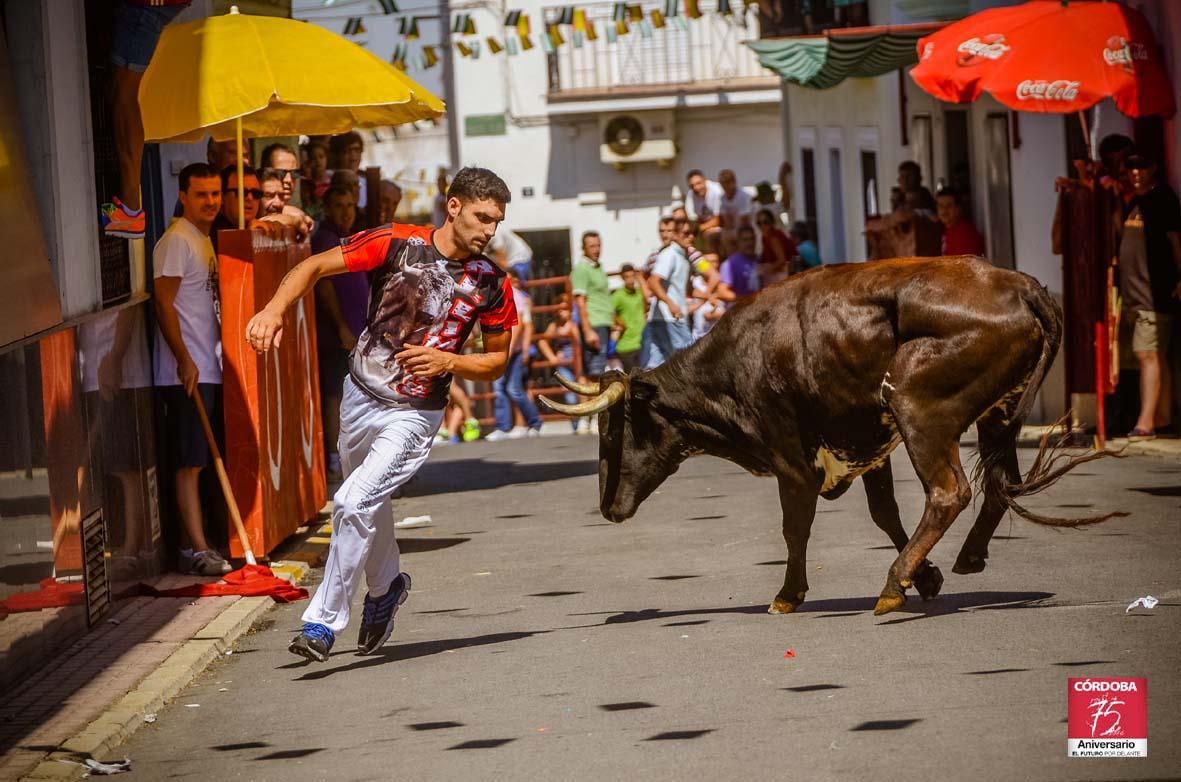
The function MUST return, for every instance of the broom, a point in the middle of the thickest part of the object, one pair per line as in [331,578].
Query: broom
[224,480]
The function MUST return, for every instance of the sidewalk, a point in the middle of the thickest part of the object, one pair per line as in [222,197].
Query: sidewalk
[99,690]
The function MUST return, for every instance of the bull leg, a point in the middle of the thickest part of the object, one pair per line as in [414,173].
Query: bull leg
[799,510]
[883,509]
[998,451]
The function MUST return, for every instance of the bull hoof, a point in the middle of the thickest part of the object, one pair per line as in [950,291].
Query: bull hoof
[928,580]
[780,606]
[967,564]
[888,603]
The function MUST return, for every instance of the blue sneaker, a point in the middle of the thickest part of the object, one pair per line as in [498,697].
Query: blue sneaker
[314,643]
[377,617]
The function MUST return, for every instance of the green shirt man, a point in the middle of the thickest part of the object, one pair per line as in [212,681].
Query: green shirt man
[631,310]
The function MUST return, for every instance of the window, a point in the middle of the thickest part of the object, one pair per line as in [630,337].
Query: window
[808,172]
[836,204]
[869,184]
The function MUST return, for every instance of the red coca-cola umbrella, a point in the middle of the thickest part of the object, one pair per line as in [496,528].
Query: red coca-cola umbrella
[1049,56]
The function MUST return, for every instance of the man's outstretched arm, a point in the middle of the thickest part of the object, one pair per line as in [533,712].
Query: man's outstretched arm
[265,329]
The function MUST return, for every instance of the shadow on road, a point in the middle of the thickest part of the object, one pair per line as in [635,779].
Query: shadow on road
[480,474]
[391,654]
[844,606]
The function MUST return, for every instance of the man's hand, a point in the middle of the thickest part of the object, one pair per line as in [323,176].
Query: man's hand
[265,330]
[348,340]
[302,217]
[674,310]
[188,374]
[422,361]
[110,376]
[591,338]
[275,226]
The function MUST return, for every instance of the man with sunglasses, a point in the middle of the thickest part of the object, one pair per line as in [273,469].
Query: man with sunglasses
[227,217]
[282,159]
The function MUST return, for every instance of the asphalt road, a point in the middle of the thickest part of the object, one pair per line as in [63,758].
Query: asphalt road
[541,642]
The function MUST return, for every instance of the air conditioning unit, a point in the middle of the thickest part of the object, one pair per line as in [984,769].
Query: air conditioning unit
[638,137]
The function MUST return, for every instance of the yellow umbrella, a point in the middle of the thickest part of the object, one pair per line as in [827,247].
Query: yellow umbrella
[234,75]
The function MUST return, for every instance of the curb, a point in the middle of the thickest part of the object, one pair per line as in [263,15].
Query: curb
[126,715]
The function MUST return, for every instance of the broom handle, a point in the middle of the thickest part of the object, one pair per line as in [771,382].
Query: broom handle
[224,480]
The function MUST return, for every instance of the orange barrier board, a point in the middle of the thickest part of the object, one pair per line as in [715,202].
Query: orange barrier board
[274,448]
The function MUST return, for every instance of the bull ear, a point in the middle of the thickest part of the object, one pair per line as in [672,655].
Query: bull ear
[642,390]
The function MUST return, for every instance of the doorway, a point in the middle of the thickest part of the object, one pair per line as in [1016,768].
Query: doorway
[837,205]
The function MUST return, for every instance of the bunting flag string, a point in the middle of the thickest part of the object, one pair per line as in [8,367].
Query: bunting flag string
[429,56]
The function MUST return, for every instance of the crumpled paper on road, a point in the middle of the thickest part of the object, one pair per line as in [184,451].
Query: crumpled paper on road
[1148,601]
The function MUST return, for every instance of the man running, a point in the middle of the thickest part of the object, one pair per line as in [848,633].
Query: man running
[428,287]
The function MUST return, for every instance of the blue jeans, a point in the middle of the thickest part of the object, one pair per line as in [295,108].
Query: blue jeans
[510,389]
[662,338]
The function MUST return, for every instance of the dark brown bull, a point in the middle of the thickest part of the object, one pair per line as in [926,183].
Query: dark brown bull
[816,380]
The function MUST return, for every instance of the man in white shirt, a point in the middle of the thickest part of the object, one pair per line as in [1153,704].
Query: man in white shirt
[736,209]
[667,330]
[510,251]
[705,207]
[188,349]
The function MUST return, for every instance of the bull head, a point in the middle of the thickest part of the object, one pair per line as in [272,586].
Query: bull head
[639,445]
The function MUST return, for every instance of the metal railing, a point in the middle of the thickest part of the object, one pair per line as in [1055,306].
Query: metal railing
[706,51]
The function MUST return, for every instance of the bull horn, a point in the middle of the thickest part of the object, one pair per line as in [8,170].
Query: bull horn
[612,394]
[586,389]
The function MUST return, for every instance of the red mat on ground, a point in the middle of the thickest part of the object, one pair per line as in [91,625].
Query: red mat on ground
[248,581]
[52,594]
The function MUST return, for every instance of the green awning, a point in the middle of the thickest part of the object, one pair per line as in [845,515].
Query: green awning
[824,61]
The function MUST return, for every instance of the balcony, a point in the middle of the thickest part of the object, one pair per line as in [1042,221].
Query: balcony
[706,54]
[780,18]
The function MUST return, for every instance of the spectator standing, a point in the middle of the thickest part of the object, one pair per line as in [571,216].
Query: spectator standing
[318,179]
[960,236]
[221,153]
[282,159]
[592,298]
[439,208]
[345,152]
[631,312]
[342,303]
[705,196]
[741,270]
[510,251]
[272,192]
[556,345]
[1150,271]
[137,30]
[227,218]
[910,180]
[188,350]
[391,197]
[735,209]
[667,332]
[510,387]
[778,249]
[806,247]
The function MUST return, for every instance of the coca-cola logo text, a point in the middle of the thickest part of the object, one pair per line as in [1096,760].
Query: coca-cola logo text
[1040,89]
[975,51]
[1122,53]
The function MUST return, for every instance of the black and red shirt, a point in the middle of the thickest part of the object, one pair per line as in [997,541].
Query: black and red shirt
[417,296]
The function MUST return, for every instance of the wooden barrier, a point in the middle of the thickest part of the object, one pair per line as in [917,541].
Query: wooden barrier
[274,436]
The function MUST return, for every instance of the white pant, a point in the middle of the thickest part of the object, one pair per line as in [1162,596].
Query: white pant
[380,448]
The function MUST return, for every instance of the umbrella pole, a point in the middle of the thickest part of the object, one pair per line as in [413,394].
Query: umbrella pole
[242,177]
[1082,120]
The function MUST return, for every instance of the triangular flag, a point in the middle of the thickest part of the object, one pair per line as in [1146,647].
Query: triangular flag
[388,7]
[494,45]
[475,47]
[547,44]
[464,51]
[657,18]
[408,27]
[459,22]
[619,13]
[580,20]
[672,8]
[470,27]
[431,59]
[635,12]
[577,39]
[527,42]
[680,23]
[355,26]
[621,27]
[511,18]
[523,28]
[691,9]
[510,45]
[567,15]
[554,33]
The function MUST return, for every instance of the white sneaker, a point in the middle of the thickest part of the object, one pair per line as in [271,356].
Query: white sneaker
[584,425]
[518,433]
[534,432]
[497,435]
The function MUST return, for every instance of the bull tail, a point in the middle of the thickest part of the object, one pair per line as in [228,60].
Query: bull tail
[996,471]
